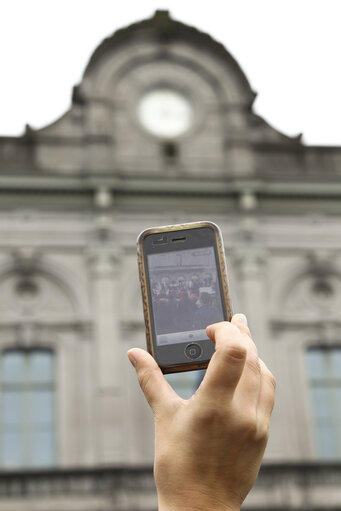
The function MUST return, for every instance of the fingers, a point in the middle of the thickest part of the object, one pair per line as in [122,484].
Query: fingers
[227,363]
[266,397]
[249,384]
[241,322]
[234,368]
[152,382]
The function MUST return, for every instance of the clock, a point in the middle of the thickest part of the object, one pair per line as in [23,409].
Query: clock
[165,112]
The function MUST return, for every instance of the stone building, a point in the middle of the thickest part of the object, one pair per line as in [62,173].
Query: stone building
[161,130]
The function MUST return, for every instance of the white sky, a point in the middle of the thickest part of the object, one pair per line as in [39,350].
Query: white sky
[288,49]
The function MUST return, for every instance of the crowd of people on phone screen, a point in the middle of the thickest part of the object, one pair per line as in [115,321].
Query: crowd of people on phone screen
[185,304]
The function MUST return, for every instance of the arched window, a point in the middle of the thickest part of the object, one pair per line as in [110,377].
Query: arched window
[324,370]
[27,408]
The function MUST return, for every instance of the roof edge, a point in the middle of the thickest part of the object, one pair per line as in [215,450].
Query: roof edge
[165,28]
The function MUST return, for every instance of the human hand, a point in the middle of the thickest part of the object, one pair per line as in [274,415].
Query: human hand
[208,449]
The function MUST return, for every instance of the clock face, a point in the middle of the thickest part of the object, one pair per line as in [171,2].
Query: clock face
[165,113]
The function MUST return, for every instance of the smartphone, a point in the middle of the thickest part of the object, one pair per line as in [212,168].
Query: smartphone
[184,288]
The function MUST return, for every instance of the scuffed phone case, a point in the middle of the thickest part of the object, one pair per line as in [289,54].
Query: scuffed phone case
[143,282]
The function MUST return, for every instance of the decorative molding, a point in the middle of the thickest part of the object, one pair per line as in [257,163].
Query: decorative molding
[26,259]
[104,258]
[326,331]
[28,264]
[250,261]
[83,325]
[34,483]
[103,198]
[248,201]
[320,263]
[277,486]
[249,252]
[187,186]
[311,289]
[27,334]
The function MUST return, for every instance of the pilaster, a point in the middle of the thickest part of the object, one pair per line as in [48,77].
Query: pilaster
[104,264]
[250,260]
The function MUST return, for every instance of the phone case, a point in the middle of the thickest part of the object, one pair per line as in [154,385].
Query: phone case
[143,280]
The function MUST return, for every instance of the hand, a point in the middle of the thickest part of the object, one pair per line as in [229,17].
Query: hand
[208,449]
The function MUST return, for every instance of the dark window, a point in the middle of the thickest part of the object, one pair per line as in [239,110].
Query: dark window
[170,150]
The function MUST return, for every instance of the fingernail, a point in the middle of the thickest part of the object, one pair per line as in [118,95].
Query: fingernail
[131,358]
[242,318]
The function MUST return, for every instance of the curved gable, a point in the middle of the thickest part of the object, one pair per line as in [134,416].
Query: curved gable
[103,131]
[161,38]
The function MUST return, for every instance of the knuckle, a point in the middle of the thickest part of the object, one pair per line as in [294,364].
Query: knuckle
[233,352]
[253,428]
[263,433]
[247,419]
[210,416]
[249,427]
[268,375]
[272,380]
[253,364]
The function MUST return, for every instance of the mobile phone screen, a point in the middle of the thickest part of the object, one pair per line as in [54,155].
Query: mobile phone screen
[185,294]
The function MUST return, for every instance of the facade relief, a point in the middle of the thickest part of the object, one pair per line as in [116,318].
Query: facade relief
[312,290]
[162,130]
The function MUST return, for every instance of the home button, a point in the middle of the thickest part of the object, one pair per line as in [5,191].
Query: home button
[193,351]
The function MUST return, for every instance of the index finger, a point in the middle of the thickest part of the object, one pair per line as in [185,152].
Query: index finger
[227,363]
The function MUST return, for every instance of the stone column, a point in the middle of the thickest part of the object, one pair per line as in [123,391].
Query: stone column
[104,261]
[250,257]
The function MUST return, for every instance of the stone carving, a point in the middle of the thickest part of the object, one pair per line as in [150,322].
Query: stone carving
[315,290]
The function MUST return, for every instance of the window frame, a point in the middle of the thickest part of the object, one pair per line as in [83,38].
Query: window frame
[26,387]
[329,382]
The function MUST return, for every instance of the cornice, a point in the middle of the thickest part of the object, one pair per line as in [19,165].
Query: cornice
[163,185]
[137,480]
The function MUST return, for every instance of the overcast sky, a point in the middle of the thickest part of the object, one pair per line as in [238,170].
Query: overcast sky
[288,49]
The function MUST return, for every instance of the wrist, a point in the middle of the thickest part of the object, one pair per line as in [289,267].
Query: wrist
[195,503]
[198,507]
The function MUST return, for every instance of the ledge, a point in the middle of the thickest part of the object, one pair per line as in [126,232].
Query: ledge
[280,486]
[185,186]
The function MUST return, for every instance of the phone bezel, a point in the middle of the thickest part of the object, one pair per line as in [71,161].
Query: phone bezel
[171,358]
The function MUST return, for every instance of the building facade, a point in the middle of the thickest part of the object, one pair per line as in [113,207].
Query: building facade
[161,130]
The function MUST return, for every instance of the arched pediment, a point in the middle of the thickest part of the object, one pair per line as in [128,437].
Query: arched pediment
[312,291]
[103,131]
[161,39]
[38,289]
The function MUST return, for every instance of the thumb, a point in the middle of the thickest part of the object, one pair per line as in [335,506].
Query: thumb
[155,387]
[240,320]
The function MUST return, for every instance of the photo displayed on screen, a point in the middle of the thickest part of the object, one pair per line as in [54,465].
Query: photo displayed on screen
[185,294]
